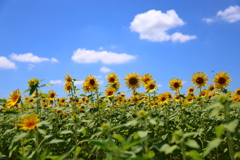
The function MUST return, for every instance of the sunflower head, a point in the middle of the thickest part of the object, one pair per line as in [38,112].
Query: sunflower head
[199,79]
[52,94]
[109,92]
[145,78]
[151,86]
[91,82]
[175,84]
[211,87]
[132,81]
[29,122]
[68,79]
[162,98]
[237,92]
[68,87]
[112,78]
[221,80]
[14,98]
[33,82]
[190,89]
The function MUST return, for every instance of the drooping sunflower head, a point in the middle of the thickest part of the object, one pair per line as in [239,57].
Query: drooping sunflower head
[221,80]
[191,89]
[14,98]
[199,79]
[109,92]
[92,83]
[112,78]
[33,82]
[175,84]
[211,87]
[145,78]
[132,81]
[237,92]
[151,86]
[29,122]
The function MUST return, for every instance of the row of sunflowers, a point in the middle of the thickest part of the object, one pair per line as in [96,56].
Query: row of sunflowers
[201,124]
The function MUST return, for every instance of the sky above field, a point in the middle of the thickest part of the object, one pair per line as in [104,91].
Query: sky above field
[169,39]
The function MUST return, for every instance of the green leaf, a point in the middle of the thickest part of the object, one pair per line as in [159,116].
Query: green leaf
[118,137]
[167,149]
[152,121]
[195,155]
[231,126]
[46,85]
[77,151]
[141,158]
[45,95]
[19,137]
[131,123]
[150,154]
[192,144]
[99,143]
[219,130]
[56,141]
[10,112]
[66,132]
[211,145]
[26,91]
[142,133]
[3,100]
[82,130]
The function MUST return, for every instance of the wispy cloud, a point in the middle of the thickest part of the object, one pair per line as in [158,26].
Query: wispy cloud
[230,14]
[153,26]
[105,69]
[6,63]
[29,57]
[56,82]
[30,66]
[80,82]
[92,56]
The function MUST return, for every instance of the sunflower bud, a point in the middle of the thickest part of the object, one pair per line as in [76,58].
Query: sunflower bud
[33,82]
[223,98]
[142,114]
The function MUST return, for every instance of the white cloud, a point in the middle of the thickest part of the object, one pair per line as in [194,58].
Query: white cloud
[159,85]
[101,82]
[105,69]
[113,46]
[184,82]
[56,82]
[100,48]
[153,26]
[29,57]
[80,82]
[91,56]
[30,66]
[6,63]
[230,14]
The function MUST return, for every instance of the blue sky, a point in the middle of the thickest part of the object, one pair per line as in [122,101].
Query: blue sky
[168,39]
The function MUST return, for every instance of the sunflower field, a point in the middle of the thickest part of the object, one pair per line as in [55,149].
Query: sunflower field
[201,124]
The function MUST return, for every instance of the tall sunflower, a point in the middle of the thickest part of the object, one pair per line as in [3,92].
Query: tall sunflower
[191,89]
[237,92]
[199,79]
[52,94]
[29,122]
[221,79]
[14,98]
[112,78]
[68,78]
[132,81]
[175,84]
[109,92]
[92,83]
[145,78]
[162,98]
[115,86]
[68,87]
[211,87]
[151,86]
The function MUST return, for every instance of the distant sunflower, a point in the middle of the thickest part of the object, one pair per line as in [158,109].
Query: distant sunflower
[162,98]
[211,87]
[68,78]
[29,122]
[204,93]
[52,94]
[109,92]
[151,86]
[132,81]
[191,89]
[92,83]
[168,94]
[199,79]
[14,98]
[145,78]
[112,78]
[115,86]
[221,79]
[175,84]
[67,87]
[86,88]
[237,92]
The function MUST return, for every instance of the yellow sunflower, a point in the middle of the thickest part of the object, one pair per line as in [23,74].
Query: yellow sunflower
[14,98]
[204,93]
[112,78]
[191,89]
[52,94]
[132,81]
[168,94]
[109,92]
[211,87]
[92,83]
[68,87]
[199,79]
[145,78]
[221,79]
[151,86]
[237,92]
[68,78]
[115,86]
[162,98]
[175,84]
[29,122]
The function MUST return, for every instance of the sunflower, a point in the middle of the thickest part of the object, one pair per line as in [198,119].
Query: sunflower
[62,100]
[211,87]
[151,86]
[112,78]
[29,122]
[92,83]
[109,92]
[145,78]
[175,84]
[199,79]
[52,94]
[68,87]
[221,79]
[204,93]
[190,89]
[162,98]
[132,81]
[33,82]
[68,79]
[237,92]
[86,88]
[14,98]
[114,86]
[168,94]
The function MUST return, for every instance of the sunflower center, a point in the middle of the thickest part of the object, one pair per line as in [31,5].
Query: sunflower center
[191,90]
[133,81]
[176,85]
[112,79]
[163,99]
[222,80]
[52,95]
[30,124]
[211,88]
[238,92]
[199,80]
[146,80]
[110,93]
[152,86]
[92,82]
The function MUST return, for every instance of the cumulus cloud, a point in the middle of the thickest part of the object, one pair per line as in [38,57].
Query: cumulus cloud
[29,57]
[80,82]
[230,14]
[6,63]
[56,82]
[153,26]
[105,69]
[92,56]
